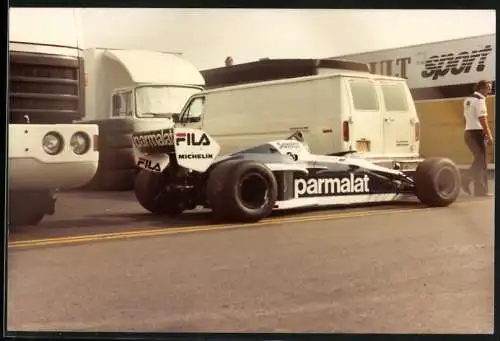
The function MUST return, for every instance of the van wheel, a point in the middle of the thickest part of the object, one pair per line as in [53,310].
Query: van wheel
[241,191]
[148,190]
[437,182]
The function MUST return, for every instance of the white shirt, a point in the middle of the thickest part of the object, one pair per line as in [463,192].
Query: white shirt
[474,108]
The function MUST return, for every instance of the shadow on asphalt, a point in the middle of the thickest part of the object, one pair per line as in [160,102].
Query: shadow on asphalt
[146,220]
[191,218]
[111,195]
[114,221]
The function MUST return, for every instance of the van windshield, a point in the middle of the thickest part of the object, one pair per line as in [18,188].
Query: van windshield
[161,101]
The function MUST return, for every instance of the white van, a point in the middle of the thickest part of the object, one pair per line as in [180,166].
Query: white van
[336,112]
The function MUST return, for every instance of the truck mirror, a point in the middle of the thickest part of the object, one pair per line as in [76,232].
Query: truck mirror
[176,118]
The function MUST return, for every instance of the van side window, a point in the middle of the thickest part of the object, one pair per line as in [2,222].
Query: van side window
[394,96]
[194,111]
[364,95]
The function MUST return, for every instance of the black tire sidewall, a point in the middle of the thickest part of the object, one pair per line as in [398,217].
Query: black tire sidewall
[147,185]
[236,175]
[217,195]
[224,196]
[427,186]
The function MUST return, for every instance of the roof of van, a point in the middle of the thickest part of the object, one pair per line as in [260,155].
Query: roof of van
[302,79]
[274,69]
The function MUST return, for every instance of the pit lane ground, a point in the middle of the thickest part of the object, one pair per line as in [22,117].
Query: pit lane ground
[388,268]
[90,213]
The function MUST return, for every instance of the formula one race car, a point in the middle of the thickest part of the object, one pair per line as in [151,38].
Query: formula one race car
[181,169]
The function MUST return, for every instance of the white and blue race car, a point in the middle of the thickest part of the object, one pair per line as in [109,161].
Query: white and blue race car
[182,169]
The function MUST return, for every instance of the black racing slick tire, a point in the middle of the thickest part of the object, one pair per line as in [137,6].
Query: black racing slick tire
[243,191]
[148,191]
[437,182]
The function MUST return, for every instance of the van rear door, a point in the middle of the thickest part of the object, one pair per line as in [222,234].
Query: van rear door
[400,123]
[365,128]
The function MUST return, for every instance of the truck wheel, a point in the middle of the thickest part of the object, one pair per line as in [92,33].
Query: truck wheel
[241,191]
[28,208]
[148,191]
[437,182]
[117,158]
[25,218]
[118,140]
[111,180]
[119,125]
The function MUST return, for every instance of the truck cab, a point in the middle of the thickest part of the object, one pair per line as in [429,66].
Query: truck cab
[46,151]
[130,90]
[137,85]
[150,104]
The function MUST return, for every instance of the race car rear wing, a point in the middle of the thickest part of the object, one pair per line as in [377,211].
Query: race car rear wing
[193,149]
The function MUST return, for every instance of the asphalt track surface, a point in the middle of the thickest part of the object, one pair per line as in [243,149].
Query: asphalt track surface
[103,264]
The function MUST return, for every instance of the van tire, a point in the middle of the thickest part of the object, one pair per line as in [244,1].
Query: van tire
[227,189]
[147,187]
[437,182]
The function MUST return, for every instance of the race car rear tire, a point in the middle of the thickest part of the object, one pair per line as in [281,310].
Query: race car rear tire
[241,191]
[147,187]
[437,182]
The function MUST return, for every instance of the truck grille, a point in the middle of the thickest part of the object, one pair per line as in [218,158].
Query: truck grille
[46,88]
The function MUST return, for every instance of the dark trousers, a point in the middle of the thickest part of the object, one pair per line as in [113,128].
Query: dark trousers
[475,140]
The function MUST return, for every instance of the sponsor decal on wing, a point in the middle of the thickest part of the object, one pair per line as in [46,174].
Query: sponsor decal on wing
[153,163]
[158,138]
[194,149]
[296,150]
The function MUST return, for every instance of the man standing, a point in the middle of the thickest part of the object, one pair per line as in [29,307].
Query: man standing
[477,135]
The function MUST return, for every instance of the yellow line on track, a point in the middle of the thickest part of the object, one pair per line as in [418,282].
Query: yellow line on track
[200,228]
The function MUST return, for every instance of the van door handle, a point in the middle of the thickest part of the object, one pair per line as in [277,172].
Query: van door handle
[389,119]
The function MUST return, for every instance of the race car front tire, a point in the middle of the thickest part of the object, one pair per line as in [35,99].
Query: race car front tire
[241,190]
[148,187]
[437,182]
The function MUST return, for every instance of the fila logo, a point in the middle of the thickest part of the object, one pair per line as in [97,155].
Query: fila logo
[148,164]
[331,186]
[191,139]
[456,64]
